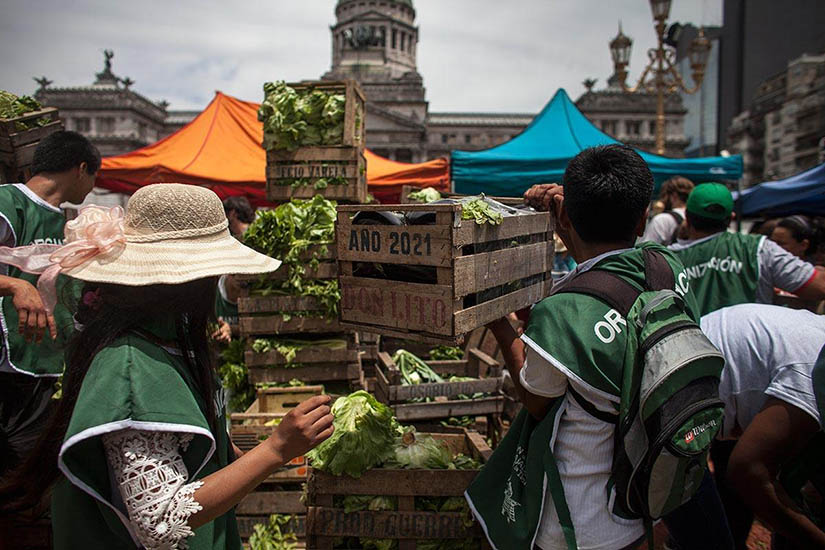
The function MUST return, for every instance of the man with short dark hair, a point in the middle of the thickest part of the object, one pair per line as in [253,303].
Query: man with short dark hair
[663,228]
[239,213]
[725,269]
[65,166]
[577,343]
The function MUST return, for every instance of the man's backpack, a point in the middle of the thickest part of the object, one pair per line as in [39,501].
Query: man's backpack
[670,409]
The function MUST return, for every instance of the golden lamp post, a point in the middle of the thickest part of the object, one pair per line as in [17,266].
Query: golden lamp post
[660,76]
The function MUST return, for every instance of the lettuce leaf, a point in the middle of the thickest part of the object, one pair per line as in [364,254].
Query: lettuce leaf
[364,436]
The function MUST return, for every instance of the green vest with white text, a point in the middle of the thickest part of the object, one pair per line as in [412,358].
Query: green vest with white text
[724,270]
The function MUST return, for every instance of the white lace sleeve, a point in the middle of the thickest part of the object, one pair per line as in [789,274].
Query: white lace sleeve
[151,478]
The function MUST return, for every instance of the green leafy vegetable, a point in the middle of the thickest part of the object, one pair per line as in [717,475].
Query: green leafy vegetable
[413,370]
[273,535]
[428,194]
[234,376]
[446,353]
[481,212]
[364,436]
[12,106]
[293,118]
[288,233]
[419,452]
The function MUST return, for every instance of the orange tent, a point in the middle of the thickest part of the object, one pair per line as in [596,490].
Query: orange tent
[221,149]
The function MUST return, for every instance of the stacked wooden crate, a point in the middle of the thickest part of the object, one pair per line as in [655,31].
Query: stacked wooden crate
[294,174]
[430,404]
[282,492]
[19,138]
[478,273]
[327,520]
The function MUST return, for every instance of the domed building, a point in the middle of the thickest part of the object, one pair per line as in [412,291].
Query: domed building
[375,42]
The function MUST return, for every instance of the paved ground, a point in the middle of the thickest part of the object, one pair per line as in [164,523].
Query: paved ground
[760,538]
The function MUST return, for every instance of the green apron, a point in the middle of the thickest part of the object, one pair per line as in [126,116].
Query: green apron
[595,346]
[134,383]
[723,270]
[34,221]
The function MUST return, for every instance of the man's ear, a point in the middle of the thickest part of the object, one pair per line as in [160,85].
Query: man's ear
[82,169]
[640,227]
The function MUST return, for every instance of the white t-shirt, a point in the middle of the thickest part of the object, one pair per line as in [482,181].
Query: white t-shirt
[769,351]
[661,228]
[583,448]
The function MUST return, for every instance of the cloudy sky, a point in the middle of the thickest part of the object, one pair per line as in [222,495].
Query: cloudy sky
[474,55]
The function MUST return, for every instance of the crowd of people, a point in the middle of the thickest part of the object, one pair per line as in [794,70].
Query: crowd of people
[135,451]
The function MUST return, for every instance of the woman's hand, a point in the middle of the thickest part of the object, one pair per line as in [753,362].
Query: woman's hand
[303,428]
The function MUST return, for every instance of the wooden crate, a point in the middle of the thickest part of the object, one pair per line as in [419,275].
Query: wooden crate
[325,522]
[312,163]
[17,146]
[270,315]
[316,364]
[345,159]
[435,311]
[281,492]
[389,390]
[265,315]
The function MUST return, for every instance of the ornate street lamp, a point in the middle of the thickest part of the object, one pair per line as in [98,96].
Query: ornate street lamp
[660,75]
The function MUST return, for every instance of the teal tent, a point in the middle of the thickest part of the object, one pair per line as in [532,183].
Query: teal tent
[541,152]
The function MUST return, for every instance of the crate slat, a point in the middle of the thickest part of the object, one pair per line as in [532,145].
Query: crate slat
[279,324]
[317,354]
[314,373]
[271,502]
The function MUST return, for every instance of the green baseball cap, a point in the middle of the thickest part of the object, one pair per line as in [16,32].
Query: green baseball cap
[710,200]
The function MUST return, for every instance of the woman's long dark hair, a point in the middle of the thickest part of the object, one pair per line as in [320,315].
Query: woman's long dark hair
[107,312]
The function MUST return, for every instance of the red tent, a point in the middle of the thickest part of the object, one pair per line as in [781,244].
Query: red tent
[221,149]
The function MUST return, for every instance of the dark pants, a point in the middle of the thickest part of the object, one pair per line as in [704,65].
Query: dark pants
[701,523]
[740,517]
[25,406]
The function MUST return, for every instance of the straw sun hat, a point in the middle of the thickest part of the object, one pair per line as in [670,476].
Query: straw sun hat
[172,233]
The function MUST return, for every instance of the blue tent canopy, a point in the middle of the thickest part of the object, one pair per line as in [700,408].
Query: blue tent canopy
[803,193]
[541,152]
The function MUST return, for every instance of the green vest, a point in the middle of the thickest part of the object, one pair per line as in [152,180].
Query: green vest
[723,270]
[587,336]
[34,221]
[134,383]
[587,339]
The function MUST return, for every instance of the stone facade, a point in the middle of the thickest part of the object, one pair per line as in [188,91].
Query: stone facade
[783,131]
[631,118]
[112,115]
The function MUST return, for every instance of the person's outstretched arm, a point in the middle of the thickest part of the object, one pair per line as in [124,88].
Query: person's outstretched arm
[777,434]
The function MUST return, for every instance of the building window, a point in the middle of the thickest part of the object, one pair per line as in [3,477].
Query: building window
[403,155]
[82,125]
[105,125]
[394,38]
[142,131]
[633,127]
[443,138]
[468,139]
[383,37]
[651,127]
[403,41]
[609,127]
